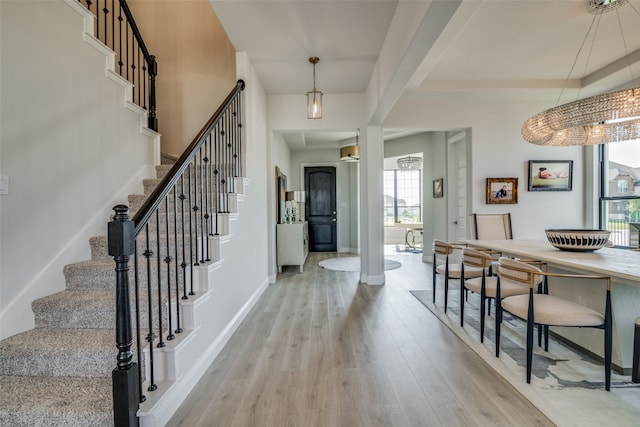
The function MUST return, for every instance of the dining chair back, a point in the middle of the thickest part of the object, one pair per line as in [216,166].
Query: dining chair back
[491,226]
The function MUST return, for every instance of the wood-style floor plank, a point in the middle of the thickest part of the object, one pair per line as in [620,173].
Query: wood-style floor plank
[320,349]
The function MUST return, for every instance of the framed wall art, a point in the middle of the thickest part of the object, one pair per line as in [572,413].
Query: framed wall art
[438,188]
[550,175]
[502,191]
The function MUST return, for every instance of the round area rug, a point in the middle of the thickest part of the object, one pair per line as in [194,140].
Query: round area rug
[352,264]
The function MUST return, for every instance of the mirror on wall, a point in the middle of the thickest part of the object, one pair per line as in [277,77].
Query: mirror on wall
[281,194]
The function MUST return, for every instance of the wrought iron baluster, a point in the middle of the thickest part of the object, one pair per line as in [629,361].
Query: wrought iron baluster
[235,140]
[223,167]
[216,173]
[196,208]
[159,276]
[136,282]
[167,260]
[191,228]
[175,257]
[240,135]
[210,185]
[184,249]
[148,253]
[120,19]
[203,207]
[207,198]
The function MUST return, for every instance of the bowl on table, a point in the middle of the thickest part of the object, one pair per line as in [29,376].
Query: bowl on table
[578,240]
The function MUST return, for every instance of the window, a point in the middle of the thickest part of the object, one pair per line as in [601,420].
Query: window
[620,192]
[402,196]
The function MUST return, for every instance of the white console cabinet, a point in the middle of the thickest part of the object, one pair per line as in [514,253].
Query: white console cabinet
[293,244]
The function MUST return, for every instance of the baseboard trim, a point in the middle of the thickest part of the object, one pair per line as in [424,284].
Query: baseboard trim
[168,404]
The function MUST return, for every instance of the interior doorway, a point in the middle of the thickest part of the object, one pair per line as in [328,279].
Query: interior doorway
[457,188]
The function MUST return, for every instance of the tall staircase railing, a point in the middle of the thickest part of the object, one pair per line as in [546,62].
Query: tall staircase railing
[116,28]
[167,237]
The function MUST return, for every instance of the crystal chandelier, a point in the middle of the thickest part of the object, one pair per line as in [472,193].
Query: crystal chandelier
[314,97]
[600,119]
[409,163]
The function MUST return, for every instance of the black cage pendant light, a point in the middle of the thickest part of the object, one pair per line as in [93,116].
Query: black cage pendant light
[314,97]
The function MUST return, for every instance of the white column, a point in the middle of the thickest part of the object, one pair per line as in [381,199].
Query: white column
[371,202]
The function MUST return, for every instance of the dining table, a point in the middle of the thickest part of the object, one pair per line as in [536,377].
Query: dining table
[621,265]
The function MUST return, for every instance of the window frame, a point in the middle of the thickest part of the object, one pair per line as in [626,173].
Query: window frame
[395,198]
[605,199]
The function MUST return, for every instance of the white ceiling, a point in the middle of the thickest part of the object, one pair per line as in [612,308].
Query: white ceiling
[488,48]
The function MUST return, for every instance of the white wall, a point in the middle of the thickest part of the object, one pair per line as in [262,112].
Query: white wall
[70,147]
[250,239]
[498,150]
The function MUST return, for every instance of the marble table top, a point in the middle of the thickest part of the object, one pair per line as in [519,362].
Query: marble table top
[622,265]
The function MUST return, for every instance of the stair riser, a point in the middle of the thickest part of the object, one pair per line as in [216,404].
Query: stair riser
[83,279]
[190,186]
[100,250]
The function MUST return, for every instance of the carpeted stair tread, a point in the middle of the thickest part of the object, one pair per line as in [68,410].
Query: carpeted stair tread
[98,274]
[88,310]
[59,352]
[75,309]
[56,401]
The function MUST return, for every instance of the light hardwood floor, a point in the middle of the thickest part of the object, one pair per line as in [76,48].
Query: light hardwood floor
[320,349]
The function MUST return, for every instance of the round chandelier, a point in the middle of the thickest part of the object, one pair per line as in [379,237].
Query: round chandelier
[600,119]
[409,163]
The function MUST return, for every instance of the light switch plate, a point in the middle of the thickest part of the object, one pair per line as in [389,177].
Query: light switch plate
[4,184]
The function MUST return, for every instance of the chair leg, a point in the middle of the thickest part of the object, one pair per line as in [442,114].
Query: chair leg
[483,297]
[434,278]
[540,335]
[498,318]
[546,337]
[489,307]
[446,292]
[608,342]
[529,349]
[462,289]
[530,326]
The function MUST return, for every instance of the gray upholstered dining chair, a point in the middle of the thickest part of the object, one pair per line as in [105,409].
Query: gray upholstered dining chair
[548,310]
[448,269]
[485,286]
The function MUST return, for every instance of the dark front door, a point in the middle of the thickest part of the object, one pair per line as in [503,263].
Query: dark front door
[320,187]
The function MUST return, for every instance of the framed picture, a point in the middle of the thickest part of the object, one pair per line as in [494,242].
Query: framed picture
[438,190]
[550,175]
[502,191]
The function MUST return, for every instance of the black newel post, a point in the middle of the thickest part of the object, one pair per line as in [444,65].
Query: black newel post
[153,72]
[126,390]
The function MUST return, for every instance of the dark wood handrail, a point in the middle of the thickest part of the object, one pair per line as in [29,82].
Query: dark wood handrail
[153,201]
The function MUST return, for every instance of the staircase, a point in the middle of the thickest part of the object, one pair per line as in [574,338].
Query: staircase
[60,372]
